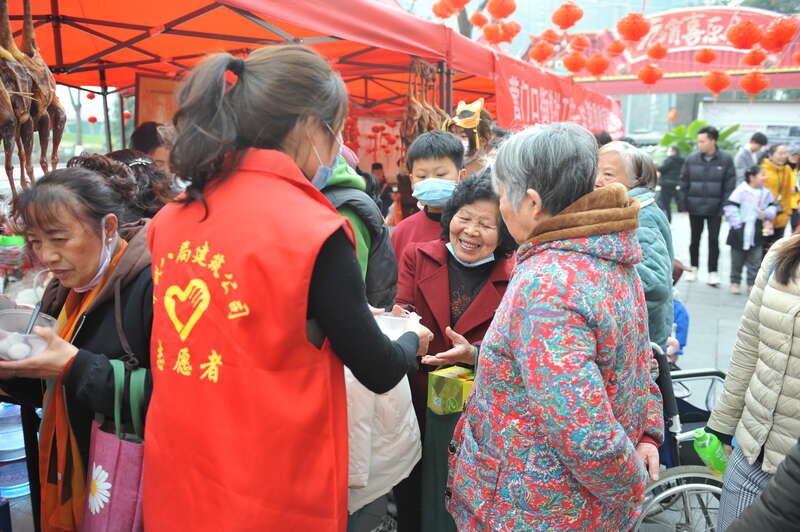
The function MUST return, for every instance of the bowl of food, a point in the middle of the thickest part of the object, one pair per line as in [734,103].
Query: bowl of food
[14,343]
[394,326]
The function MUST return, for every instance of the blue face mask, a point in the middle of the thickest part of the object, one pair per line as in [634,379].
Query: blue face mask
[434,192]
[475,264]
[325,171]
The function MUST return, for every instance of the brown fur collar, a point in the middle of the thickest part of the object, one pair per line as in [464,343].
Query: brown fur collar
[605,210]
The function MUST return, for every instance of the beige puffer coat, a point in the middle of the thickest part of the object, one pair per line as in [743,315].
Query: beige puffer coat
[760,403]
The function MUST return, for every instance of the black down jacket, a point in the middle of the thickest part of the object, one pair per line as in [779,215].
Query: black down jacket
[707,184]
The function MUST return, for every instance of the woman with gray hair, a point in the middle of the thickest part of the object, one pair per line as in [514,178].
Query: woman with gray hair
[564,419]
[619,162]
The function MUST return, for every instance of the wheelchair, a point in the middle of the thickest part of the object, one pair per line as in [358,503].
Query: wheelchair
[686,496]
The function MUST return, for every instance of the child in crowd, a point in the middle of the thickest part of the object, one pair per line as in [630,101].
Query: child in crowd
[435,163]
[680,322]
[749,210]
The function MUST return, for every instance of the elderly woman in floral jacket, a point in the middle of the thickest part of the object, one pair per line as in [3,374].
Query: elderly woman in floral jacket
[564,417]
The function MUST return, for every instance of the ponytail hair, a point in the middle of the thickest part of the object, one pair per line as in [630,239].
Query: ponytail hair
[275,88]
[787,261]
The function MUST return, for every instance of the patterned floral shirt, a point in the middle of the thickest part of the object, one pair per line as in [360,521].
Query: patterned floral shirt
[562,395]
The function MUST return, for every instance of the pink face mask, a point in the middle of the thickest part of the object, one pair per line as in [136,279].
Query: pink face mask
[106,254]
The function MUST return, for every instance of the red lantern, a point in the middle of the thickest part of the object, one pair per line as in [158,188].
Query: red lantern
[754,57]
[549,35]
[745,34]
[391,123]
[796,57]
[456,5]
[574,62]
[753,83]
[376,129]
[615,48]
[510,29]
[352,145]
[500,9]
[705,55]
[633,27]
[597,64]
[567,15]
[657,52]
[92,119]
[478,19]
[541,52]
[716,81]
[672,115]
[372,136]
[493,33]
[126,115]
[580,43]
[780,34]
[650,74]
[90,96]
[442,10]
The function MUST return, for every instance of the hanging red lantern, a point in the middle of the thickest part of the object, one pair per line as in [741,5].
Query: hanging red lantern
[372,136]
[92,119]
[745,34]
[650,74]
[716,81]
[442,10]
[549,35]
[615,48]
[541,52]
[510,29]
[376,129]
[478,19]
[501,9]
[657,52]
[352,145]
[780,34]
[597,64]
[753,83]
[126,115]
[391,123]
[705,55]
[493,33]
[456,5]
[672,115]
[633,27]
[796,57]
[574,62]
[567,15]
[754,57]
[580,43]
[90,96]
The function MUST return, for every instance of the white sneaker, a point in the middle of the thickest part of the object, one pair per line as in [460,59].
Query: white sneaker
[736,289]
[690,275]
[713,279]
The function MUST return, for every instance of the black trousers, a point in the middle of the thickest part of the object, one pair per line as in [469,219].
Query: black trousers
[665,197]
[713,223]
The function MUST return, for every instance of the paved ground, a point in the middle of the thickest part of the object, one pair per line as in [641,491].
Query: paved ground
[714,315]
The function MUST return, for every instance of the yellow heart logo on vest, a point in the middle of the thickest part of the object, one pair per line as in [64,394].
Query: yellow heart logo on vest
[198,297]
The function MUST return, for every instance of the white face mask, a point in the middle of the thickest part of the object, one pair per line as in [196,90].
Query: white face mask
[106,254]
[475,264]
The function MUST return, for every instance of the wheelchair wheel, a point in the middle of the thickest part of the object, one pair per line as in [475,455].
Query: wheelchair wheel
[684,499]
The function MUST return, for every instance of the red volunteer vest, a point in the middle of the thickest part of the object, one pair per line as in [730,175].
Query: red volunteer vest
[247,425]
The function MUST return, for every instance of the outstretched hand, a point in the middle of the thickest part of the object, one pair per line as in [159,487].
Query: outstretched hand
[462,352]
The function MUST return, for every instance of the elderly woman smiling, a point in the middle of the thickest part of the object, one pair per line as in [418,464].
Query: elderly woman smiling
[619,162]
[563,407]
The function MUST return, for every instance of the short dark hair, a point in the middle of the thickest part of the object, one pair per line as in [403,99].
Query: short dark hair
[759,138]
[154,188]
[751,172]
[146,138]
[602,138]
[676,149]
[710,131]
[377,166]
[436,145]
[477,187]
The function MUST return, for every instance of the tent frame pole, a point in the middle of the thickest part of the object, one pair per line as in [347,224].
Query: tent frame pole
[104,89]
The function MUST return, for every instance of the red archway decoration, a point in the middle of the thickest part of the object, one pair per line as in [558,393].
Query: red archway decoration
[633,27]
[650,74]
[745,34]
[716,81]
[567,15]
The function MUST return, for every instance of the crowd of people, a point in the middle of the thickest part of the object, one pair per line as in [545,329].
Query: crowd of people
[246,303]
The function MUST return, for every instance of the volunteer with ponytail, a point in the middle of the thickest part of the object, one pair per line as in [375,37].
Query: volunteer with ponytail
[101,293]
[259,300]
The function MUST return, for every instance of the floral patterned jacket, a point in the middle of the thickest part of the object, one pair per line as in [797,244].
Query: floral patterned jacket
[563,390]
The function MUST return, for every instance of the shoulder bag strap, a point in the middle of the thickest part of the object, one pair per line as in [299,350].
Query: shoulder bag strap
[119,383]
[137,400]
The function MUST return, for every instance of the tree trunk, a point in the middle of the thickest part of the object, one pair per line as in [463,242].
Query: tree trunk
[464,25]
[76,105]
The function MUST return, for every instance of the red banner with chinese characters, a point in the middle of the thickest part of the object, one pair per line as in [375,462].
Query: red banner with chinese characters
[528,96]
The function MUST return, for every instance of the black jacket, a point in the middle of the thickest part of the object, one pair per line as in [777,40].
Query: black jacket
[671,170]
[778,507]
[707,184]
[116,326]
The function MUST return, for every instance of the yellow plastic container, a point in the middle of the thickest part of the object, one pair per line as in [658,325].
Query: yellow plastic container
[448,389]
